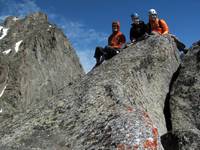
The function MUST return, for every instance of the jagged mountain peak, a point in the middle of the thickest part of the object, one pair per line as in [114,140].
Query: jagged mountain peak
[37,17]
[36,61]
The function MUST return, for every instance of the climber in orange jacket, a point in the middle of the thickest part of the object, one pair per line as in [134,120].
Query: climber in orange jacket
[155,24]
[116,39]
[115,42]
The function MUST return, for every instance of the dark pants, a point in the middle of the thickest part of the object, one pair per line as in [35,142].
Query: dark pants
[106,53]
[181,46]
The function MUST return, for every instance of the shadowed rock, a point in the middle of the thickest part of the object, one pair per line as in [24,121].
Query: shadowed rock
[185,102]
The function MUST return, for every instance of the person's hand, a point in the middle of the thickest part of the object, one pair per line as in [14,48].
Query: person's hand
[154,33]
[128,45]
[133,41]
[146,35]
[166,32]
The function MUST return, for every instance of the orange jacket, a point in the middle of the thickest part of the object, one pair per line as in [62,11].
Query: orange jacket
[116,39]
[159,26]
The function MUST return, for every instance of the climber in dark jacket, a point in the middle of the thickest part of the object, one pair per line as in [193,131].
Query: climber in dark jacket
[138,29]
[115,42]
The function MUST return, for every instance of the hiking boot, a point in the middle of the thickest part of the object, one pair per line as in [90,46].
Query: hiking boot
[98,62]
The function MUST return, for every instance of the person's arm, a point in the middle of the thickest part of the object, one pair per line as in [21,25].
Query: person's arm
[146,34]
[131,34]
[133,37]
[164,27]
[144,27]
[148,28]
[123,39]
[109,41]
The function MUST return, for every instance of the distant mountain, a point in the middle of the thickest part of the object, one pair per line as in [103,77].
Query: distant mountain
[36,61]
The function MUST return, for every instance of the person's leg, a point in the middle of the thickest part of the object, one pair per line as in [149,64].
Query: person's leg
[99,52]
[110,52]
[179,44]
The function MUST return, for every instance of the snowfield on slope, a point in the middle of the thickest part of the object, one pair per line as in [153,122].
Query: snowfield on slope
[17,45]
[6,52]
[16,18]
[5,32]
[3,91]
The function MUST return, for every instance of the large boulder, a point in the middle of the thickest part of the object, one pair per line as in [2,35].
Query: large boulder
[36,61]
[117,105]
[185,102]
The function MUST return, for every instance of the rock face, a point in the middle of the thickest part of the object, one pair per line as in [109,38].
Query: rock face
[116,106]
[196,43]
[36,60]
[185,102]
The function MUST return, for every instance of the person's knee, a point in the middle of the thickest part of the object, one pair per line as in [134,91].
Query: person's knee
[98,52]
[98,47]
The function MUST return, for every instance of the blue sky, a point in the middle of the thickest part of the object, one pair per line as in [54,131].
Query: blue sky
[87,23]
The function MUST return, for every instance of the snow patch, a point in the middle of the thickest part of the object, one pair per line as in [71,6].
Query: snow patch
[15,18]
[1,110]
[17,45]
[5,32]
[50,26]
[2,91]
[6,52]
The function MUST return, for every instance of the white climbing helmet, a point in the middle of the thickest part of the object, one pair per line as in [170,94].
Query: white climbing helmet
[152,12]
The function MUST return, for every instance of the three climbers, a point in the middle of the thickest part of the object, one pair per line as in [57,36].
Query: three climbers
[139,31]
